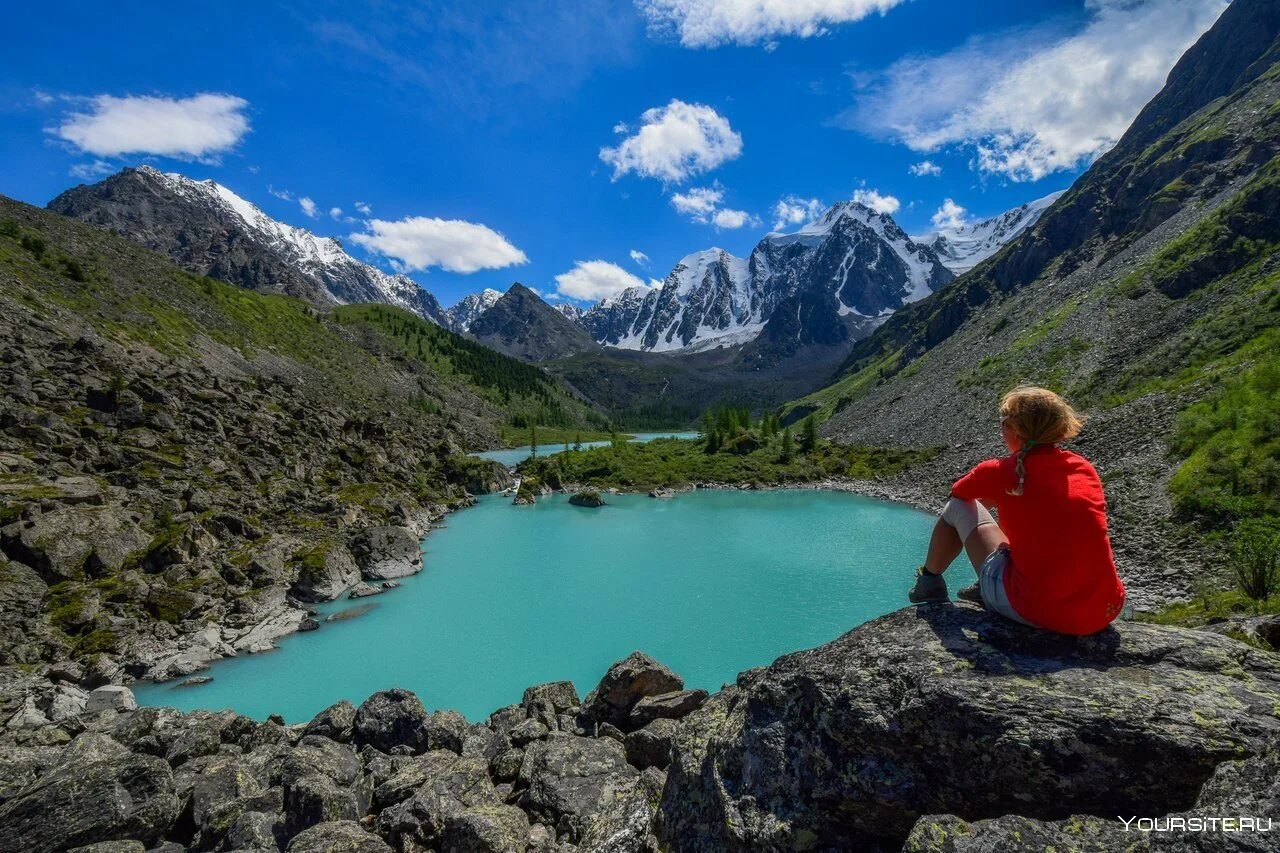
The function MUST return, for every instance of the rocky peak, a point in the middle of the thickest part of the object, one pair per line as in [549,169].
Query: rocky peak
[523,325]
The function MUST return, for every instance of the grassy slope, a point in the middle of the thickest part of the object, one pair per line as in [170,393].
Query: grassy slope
[679,462]
[524,392]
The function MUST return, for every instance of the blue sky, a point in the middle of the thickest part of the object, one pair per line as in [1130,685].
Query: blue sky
[490,142]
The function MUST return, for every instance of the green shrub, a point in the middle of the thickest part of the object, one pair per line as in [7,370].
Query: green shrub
[1255,559]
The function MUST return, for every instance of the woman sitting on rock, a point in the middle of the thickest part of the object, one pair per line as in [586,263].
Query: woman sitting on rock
[1048,563]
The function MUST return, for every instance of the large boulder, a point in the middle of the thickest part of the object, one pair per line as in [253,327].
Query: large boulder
[568,779]
[671,706]
[325,572]
[625,684]
[386,552]
[98,791]
[110,697]
[495,828]
[392,718]
[66,543]
[336,722]
[946,709]
[340,836]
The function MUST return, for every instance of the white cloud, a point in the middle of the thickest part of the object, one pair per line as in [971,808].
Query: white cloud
[877,202]
[308,207]
[709,23]
[794,210]
[198,128]
[90,171]
[698,203]
[924,167]
[284,194]
[1036,101]
[729,219]
[639,258]
[335,212]
[674,143]
[363,208]
[419,242]
[596,280]
[950,216]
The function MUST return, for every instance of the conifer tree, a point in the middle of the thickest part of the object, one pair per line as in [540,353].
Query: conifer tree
[788,447]
[533,439]
[809,435]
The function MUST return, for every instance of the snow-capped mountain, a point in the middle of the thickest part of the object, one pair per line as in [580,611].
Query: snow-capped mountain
[961,249]
[468,308]
[853,264]
[208,228]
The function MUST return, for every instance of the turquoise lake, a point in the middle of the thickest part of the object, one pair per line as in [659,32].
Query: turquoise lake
[710,583]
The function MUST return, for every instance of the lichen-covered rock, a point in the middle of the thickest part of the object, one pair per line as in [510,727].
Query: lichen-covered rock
[342,836]
[386,552]
[569,779]
[486,829]
[672,706]
[316,799]
[451,787]
[392,718]
[651,745]
[947,709]
[1015,834]
[98,791]
[560,695]
[626,683]
[445,730]
[65,543]
[325,572]
[625,822]
[337,722]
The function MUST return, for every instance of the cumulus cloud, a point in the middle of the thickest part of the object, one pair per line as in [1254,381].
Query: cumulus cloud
[924,167]
[876,201]
[639,258]
[675,143]
[698,203]
[729,219]
[196,128]
[596,280]
[335,212]
[363,208]
[794,210]
[950,216]
[1032,102]
[308,207]
[709,23]
[419,242]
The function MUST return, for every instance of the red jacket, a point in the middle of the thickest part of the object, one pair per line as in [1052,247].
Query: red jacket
[1062,575]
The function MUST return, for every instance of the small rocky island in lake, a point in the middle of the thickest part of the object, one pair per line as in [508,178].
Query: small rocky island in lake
[587,497]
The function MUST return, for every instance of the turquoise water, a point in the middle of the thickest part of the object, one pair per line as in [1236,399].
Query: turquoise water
[710,583]
[516,455]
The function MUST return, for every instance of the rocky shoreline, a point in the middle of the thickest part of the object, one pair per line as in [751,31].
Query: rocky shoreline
[937,728]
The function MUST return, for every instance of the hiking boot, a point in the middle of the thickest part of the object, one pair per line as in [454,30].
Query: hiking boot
[929,588]
[970,593]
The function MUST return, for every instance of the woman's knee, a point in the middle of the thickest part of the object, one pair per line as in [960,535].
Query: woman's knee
[965,516]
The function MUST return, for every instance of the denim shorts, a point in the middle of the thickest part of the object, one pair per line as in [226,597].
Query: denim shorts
[991,584]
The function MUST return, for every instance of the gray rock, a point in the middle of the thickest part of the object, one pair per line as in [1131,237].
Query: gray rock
[98,791]
[383,553]
[342,836]
[326,572]
[626,683]
[320,756]
[651,745]
[111,847]
[944,709]
[363,590]
[590,498]
[529,730]
[110,698]
[672,706]
[337,722]
[449,789]
[625,822]
[256,831]
[445,730]
[392,718]
[486,829]
[1014,834]
[569,779]
[560,695]
[64,543]
[316,799]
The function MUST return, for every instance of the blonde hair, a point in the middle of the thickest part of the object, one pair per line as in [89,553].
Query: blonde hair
[1038,416]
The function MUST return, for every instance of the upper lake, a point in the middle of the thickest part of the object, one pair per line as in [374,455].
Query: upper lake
[710,583]
[513,456]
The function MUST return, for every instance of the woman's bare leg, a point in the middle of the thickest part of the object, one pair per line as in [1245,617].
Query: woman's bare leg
[984,539]
[944,547]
